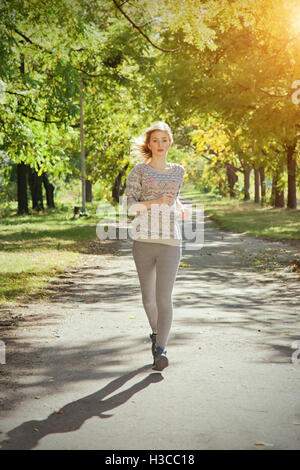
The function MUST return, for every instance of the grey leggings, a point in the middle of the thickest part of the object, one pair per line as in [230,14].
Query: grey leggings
[157,266]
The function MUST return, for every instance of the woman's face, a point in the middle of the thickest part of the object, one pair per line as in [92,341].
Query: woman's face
[159,143]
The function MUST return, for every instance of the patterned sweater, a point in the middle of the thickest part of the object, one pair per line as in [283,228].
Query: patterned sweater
[159,223]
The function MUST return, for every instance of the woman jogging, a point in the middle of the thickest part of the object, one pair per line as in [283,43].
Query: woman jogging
[152,190]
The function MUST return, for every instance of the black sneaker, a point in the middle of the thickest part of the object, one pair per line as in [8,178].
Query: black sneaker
[160,359]
[153,339]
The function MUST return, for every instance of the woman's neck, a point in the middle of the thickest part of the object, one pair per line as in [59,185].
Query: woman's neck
[158,163]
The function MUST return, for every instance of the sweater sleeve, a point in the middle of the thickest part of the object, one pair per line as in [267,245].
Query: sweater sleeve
[133,190]
[182,177]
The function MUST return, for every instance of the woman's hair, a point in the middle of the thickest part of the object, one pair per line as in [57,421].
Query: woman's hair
[139,146]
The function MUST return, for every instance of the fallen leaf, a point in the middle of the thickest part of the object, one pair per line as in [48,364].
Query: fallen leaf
[262,443]
[258,443]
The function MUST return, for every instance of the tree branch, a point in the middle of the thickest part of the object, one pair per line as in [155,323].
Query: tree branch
[27,39]
[207,158]
[272,95]
[13,93]
[141,31]
[33,118]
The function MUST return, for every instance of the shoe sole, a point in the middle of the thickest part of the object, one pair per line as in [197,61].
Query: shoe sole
[161,363]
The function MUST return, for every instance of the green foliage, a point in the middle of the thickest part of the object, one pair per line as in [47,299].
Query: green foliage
[234,66]
[47,49]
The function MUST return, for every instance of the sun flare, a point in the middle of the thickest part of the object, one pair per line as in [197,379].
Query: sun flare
[296,21]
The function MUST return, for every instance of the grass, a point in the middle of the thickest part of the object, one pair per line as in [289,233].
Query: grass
[35,248]
[247,217]
[27,274]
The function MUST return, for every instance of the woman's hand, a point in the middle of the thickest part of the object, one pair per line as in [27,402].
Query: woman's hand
[166,199]
[145,205]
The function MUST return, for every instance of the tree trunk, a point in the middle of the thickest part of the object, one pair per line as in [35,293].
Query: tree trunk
[35,184]
[232,178]
[119,188]
[221,189]
[82,151]
[277,199]
[291,169]
[22,168]
[49,188]
[22,188]
[246,188]
[262,185]
[256,186]
[88,191]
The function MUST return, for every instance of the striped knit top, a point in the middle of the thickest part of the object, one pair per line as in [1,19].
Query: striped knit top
[159,223]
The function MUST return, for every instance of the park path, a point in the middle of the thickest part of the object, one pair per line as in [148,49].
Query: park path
[78,368]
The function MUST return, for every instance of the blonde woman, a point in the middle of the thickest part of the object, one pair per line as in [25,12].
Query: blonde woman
[152,190]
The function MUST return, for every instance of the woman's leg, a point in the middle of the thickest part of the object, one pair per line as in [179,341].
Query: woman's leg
[145,259]
[167,263]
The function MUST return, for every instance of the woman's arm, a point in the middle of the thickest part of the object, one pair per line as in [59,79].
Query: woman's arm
[144,205]
[184,212]
[179,206]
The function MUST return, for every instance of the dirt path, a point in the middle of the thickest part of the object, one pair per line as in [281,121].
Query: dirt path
[78,367]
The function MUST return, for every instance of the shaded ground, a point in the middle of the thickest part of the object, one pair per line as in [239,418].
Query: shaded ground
[78,366]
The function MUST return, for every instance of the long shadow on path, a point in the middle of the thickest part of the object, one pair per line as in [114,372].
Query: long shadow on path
[72,416]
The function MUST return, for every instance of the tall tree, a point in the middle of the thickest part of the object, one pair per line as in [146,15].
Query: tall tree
[238,61]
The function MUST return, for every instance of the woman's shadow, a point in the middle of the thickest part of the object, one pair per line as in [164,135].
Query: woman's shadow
[73,415]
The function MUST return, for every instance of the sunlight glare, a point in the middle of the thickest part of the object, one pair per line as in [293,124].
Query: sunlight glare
[296,20]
